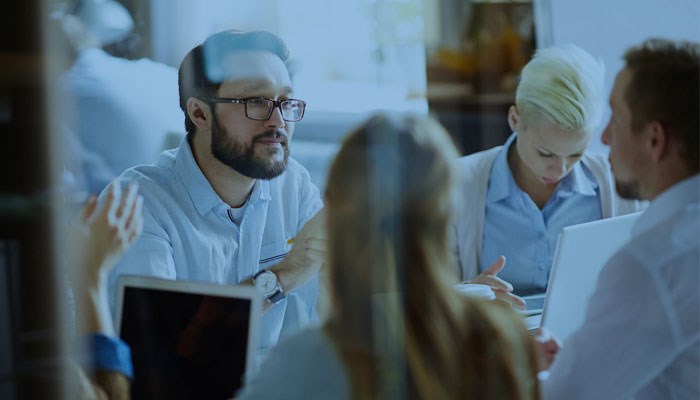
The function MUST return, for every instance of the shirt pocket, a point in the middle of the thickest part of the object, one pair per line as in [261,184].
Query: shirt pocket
[272,253]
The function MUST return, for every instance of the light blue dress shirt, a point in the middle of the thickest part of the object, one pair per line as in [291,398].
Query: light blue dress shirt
[190,234]
[515,227]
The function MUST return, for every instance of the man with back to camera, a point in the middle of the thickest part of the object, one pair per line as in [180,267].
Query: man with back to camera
[121,109]
[641,335]
[228,205]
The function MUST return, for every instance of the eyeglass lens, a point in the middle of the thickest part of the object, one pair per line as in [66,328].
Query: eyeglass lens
[292,110]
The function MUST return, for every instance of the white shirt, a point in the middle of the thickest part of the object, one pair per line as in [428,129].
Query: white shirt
[641,335]
[190,234]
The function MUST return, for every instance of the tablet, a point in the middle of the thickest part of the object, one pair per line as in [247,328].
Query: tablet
[187,339]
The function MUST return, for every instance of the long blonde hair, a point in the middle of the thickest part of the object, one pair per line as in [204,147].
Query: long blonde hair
[400,328]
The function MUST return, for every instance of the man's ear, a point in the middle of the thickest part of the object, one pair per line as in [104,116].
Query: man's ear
[199,113]
[658,140]
[513,118]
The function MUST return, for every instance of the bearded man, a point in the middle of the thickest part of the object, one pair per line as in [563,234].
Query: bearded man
[229,204]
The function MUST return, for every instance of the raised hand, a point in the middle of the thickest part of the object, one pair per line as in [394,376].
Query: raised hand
[103,232]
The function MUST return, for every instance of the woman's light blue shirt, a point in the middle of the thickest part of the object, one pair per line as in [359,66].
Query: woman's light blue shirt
[515,227]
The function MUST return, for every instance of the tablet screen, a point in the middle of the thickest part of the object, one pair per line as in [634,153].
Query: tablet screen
[185,345]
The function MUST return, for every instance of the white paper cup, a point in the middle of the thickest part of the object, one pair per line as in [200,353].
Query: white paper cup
[476,290]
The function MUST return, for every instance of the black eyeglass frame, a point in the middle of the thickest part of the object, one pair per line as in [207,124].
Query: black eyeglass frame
[244,101]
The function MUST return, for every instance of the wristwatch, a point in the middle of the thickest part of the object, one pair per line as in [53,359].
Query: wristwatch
[267,283]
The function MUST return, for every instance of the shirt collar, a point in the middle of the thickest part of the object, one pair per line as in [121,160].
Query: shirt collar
[669,202]
[200,191]
[577,181]
[502,184]
[501,181]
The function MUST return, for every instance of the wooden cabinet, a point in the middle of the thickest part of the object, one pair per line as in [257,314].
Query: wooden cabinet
[473,71]
[475,121]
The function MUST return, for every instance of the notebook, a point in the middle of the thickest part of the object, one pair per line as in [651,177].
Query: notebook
[187,339]
[582,251]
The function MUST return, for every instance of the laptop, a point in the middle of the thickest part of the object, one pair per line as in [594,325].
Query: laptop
[582,251]
[187,339]
[534,302]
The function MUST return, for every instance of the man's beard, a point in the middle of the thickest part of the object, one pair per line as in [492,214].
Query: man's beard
[242,158]
[628,190]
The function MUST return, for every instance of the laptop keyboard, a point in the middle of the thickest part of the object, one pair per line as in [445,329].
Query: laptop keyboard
[534,303]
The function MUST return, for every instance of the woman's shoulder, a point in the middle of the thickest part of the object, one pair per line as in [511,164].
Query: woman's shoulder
[298,366]
[477,164]
[480,157]
[305,341]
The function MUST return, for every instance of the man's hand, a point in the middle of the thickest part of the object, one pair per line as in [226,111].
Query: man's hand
[548,347]
[502,288]
[307,256]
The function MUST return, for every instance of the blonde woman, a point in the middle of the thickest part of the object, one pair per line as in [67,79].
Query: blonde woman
[516,198]
[396,328]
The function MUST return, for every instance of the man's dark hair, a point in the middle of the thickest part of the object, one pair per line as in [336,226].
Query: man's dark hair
[665,87]
[203,69]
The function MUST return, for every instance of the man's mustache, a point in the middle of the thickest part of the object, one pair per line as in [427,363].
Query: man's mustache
[276,134]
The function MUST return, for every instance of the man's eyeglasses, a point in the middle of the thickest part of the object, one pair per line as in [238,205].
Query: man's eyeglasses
[260,108]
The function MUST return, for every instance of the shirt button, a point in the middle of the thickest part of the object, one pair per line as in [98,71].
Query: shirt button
[541,266]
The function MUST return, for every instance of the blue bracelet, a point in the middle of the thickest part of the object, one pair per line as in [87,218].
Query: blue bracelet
[110,353]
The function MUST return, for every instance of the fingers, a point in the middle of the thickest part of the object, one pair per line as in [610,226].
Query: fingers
[112,202]
[488,277]
[510,298]
[126,204]
[118,205]
[89,208]
[495,282]
[134,223]
[122,213]
[548,347]
[496,267]
[544,336]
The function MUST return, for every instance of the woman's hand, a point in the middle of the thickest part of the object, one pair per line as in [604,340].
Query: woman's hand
[548,347]
[502,288]
[103,232]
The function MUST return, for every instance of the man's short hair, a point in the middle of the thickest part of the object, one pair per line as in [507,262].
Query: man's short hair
[565,85]
[203,69]
[665,87]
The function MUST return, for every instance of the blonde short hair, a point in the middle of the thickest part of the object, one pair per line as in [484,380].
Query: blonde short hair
[564,84]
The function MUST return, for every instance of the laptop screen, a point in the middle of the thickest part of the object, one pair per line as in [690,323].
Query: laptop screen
[185,344]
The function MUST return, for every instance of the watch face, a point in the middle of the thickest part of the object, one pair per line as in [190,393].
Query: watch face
[266,282]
